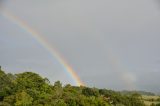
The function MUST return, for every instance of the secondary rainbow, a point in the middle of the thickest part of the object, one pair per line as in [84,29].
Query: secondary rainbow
[45,44]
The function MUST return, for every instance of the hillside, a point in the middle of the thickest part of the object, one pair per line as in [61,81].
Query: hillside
[140,92]
[30,89]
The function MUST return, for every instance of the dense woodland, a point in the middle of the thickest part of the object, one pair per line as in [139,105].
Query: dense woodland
[30,89]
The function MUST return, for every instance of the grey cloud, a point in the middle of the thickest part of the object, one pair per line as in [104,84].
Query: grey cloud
[85,31]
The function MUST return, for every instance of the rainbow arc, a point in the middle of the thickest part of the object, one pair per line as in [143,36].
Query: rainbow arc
[23,25]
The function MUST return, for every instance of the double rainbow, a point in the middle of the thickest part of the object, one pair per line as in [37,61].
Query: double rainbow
[119,68]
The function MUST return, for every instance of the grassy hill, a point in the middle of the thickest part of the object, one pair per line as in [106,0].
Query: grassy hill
[148,100]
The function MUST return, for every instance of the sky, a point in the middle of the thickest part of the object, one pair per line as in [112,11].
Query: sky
[110,44]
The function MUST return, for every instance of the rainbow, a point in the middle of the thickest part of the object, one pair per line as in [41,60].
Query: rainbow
[123,72]
[45,44]
[125,75]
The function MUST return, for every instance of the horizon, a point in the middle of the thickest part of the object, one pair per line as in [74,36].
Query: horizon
[64,85]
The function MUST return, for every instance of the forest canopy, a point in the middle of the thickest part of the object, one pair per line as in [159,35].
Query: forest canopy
[30,89]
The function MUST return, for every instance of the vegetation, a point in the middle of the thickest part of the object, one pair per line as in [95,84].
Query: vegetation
[140,92]
[151,100]
[30,89]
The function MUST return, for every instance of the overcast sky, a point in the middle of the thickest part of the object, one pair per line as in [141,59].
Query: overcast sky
[112,44]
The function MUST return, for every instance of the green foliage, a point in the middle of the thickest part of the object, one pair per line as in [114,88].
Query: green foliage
[116,98]
[30,89]
[139,92]
[90,91]
[23,99]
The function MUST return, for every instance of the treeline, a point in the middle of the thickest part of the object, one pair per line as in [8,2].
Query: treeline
[30,89]
[140,92]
